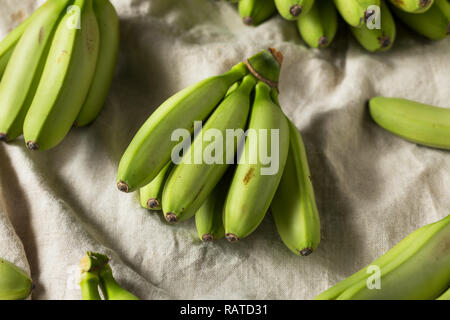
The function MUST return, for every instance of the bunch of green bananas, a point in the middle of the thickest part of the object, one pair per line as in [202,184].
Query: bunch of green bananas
[317,20]
[15,284]
[96,272]
[417,268]
[227,200]
[56,69]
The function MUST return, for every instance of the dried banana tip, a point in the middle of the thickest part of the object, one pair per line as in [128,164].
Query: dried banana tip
[171,217]
[296,10]
[153,203]
[122,186]
[207,237]
[248,21]
[232,237]
[33,146]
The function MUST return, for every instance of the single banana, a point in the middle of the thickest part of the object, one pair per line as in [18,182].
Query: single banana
[433,24]
[377,39]
[293,9]
[110,288]
[413,121]
[208,219]
[445,295]
[255,182]
[108,23]
[420,272]
[151,148]
[192,181]
[413,6]
[356,12]
[15,284]
[151,194]
[418,267]
[319,26]
[89,280]
[66,78]
[294,205]
[23,72]
[254,12]
[8,44]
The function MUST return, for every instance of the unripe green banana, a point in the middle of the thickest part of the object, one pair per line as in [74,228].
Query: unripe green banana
[15,284]
[209,218]
[420,272]
[433,24]
[413,6]
[108,23]
[8,44]
[413,121]
[254,184]
[151,194]
[418,267]
[21,77]
[445,295]
[89,280]
[151,148]
[319,26]
[192,181]
[66,78]
[294,205]
[254,12]
[110,288]
[377,39]
[356,12]
[293,9]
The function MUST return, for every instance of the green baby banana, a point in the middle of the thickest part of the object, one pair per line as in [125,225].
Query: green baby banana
[294,206]
[151,194]
[433,24]
[208,219]
[66,78]
[377,39]
[356,12]
[108,23]
[445,295]
[413,6]
[110,288]
[414,121]
[150,150]
[292,9]
[254,12]
[195,177]
[319,26]
[24,69]
[89,280]
[15,284]
[8,44]
[256,179]
[418,267]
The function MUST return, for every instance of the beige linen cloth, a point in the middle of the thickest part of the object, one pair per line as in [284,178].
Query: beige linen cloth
[372,188]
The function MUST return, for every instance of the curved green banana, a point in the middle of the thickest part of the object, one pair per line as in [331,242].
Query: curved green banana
[89,283]
[66,78]
[294,205]
[413,121]
[445,295]
[293,9]
[15,284]
[108,23]
[151,147]
[8,44]
[433,24]
[254,12]
[24,69]
[195,177]
[377,39]
[151,194]
[413,6]
[319,26]
[394,257]
[208,219]
[356,12]
[255,182]
[420,272]
[110,288]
